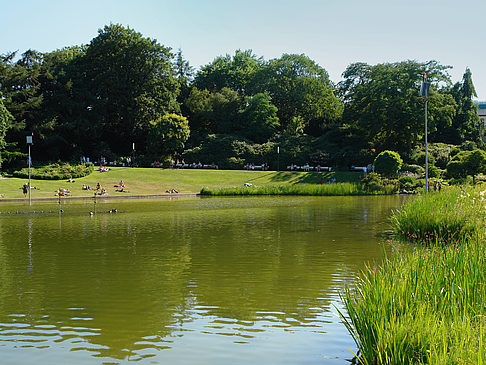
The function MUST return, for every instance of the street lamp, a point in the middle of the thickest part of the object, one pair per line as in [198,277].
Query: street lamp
[278,158]
[29,143]
[424,91]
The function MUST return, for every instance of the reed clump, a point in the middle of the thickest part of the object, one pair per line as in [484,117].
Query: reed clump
[426,304]
[447,216]
[335,189]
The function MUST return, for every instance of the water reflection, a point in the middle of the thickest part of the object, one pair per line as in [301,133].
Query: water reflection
[184,281]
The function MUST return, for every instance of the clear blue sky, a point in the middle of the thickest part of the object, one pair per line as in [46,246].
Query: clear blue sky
[334,33]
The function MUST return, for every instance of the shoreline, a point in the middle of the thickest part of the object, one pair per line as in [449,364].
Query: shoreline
[146,196]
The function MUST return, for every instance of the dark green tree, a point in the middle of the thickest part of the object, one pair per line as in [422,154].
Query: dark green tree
[466,125]
[467,163]
[5,120]
[214,112]
[259,119]
[388,163]
[167,135]
[237,73]
[133,81]
[383,103]
[300,87]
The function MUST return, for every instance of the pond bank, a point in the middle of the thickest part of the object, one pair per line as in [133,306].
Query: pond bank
[426,303]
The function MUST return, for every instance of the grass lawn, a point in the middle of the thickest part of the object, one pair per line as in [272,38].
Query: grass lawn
[148,181]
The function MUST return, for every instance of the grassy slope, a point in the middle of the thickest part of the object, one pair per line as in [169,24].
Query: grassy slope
[146,181]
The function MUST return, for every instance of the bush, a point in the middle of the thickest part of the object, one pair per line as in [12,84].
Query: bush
[414,169]
[410,184]
[56,171]
[388,163]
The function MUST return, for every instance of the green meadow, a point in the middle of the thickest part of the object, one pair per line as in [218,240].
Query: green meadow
[151,181]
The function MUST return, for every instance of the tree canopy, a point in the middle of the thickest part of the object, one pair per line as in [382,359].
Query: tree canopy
[99,98]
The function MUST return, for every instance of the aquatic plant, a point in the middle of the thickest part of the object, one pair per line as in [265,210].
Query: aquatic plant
[423,306]
[335,189]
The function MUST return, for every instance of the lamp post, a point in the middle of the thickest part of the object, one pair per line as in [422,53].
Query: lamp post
[29,143]
[133,153]
[278,158]
[424,91]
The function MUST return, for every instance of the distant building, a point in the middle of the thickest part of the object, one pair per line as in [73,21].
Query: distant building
[482,111]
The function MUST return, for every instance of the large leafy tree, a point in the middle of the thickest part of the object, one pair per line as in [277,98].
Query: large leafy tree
[132,79]
[466,125]
[299,87]
[259,119]
[168,134]
[5,120]
[20,82]
[383,104]
[214,112]
[236,72]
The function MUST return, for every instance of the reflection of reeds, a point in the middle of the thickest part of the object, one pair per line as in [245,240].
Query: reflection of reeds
[336,189]
[426,305]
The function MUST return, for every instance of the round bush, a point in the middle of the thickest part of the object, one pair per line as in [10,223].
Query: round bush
[388,163]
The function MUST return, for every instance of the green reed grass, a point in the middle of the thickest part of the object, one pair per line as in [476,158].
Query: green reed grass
[425,306]
[447,216]
[339,189]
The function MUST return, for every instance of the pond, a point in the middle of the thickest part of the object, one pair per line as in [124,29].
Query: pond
[184,281]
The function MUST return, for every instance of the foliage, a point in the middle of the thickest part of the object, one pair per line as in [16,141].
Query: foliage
[388,163]
[448,216]
[421,306]
[259,118]
[339,189]
[375,182]
[56,171]
[382,101]
[410,184]
[5,120]
[414,169]
[133,81]
[168,134]
[467,163]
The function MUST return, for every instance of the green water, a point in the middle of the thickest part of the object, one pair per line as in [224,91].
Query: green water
[183,281]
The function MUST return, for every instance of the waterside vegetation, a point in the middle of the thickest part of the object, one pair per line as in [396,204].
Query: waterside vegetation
[426,304]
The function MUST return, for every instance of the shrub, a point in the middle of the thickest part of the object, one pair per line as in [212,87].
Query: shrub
[56,171]
[414,169]
[388,163]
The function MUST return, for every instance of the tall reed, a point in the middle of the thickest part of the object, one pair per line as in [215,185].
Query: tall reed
[426,304]
[338,189]
[447,216]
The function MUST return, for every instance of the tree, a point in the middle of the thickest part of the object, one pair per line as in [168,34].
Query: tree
[133,82]
[467,163]
[466,125]
[5,120]
[383,103]
[259,119]
[168,134]
[300,87]
[236,73]
[388,163]
[214,112]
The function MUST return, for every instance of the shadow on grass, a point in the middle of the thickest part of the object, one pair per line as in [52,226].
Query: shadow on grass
[282,176]
[314,177]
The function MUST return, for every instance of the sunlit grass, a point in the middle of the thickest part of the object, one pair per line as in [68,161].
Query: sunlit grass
[426,304]
[335,189]
[448,216]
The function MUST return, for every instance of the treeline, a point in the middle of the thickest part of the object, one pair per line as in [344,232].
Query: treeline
[124,90]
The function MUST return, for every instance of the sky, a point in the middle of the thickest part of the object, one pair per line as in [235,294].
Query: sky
[334,33]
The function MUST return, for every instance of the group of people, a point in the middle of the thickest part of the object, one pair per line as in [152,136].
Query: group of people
[250,166]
